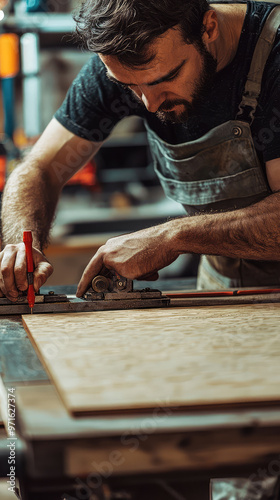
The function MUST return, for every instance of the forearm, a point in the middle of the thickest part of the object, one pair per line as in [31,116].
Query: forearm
[29,202]
[252,232]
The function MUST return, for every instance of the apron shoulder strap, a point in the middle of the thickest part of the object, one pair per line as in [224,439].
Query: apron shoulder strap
[262,50]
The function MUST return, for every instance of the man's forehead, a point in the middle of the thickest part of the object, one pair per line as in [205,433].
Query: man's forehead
[161,49]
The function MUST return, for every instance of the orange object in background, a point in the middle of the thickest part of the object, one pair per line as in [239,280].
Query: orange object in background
[2,172]
[9,55]
[85,177]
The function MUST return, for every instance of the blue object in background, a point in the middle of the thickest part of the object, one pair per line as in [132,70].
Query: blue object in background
[36,6]
[8,105]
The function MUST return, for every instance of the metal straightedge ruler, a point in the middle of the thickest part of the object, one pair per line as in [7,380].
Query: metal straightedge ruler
[109,291]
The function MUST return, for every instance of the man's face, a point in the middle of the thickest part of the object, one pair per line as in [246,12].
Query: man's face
[174,82]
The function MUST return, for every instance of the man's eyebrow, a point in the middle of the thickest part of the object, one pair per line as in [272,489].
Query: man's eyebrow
[150,84]
[113,79]
[169,75]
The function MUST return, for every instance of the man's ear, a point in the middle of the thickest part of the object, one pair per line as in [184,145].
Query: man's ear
[210,22]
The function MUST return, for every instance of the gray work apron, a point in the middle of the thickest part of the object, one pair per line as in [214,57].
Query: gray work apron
[220,171]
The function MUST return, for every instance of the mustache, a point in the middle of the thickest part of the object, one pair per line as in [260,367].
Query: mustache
[169,104]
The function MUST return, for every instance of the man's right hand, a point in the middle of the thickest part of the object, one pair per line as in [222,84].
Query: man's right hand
[13,277]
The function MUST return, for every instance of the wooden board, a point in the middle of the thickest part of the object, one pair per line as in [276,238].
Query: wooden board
[123,360]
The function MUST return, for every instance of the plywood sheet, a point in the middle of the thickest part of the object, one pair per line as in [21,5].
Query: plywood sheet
[112,360]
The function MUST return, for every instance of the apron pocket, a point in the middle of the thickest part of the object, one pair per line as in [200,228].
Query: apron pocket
[240,185]
[228,158]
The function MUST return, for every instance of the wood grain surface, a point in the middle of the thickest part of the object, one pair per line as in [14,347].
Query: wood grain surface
[124,360]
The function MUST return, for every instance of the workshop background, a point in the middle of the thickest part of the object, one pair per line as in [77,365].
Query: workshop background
[118,192]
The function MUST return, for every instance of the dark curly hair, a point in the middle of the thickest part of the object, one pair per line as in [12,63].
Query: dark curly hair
[126,28]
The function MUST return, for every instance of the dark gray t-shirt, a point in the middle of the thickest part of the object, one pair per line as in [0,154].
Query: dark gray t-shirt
[94,104]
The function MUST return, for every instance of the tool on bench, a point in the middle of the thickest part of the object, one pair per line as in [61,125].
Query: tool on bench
[27,240]
[109,286]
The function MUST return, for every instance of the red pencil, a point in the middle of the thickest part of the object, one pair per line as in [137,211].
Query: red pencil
[27,240]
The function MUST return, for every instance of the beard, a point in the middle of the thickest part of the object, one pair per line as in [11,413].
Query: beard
[202,85]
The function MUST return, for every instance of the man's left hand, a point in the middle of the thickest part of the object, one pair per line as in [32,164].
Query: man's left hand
[135,256]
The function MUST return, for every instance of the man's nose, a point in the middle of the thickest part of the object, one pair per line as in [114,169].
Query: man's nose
[152,99]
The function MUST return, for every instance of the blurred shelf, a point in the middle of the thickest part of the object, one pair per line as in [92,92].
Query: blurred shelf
[41,22]
[80,216]
[54,30]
